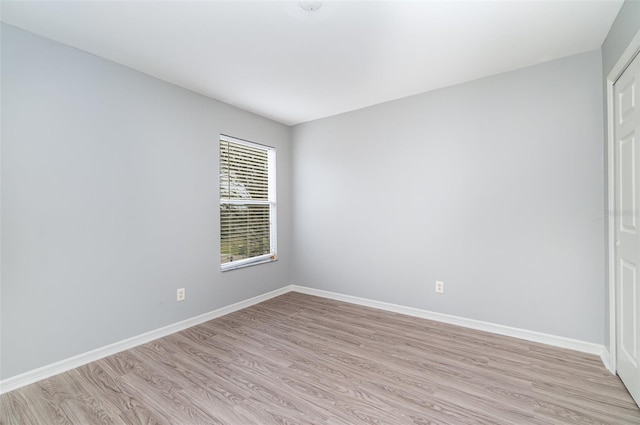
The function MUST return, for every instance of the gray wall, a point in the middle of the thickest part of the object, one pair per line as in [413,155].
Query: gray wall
[110,203]
[493,186]
[624,28]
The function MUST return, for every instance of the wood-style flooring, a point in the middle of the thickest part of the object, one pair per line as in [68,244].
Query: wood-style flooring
[299,359]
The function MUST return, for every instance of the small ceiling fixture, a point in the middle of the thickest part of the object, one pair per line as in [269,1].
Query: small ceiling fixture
[310,5]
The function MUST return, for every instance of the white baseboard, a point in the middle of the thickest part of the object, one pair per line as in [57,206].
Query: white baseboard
[606,360]
[553,340]
[48,371]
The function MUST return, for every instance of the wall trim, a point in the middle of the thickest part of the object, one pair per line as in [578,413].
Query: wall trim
[623,62]
[56,368]
[48,371]
[606,360]
[533,336]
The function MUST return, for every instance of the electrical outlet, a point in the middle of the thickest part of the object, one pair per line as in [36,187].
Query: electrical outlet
[181,294]
[439,287]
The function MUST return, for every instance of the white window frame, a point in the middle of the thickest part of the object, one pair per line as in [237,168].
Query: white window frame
[273,222]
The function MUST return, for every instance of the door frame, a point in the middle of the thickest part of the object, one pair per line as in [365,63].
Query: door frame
[623,62]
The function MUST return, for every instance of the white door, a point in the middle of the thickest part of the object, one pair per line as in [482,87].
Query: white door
[627,226]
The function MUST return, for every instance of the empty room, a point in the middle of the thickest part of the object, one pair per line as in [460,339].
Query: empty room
[320,212]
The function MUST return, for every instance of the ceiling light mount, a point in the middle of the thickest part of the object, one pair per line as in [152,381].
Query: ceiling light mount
[310,5]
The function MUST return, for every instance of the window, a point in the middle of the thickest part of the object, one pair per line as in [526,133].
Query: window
[247,203]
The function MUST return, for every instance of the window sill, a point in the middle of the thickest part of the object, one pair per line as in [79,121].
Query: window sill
[241,265]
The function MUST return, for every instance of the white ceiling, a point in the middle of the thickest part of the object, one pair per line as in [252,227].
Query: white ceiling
[282,62]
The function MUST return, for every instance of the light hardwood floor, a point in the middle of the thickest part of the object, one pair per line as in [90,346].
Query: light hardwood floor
[298,359]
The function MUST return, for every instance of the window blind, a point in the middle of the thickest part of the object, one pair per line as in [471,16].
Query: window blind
[247,203]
